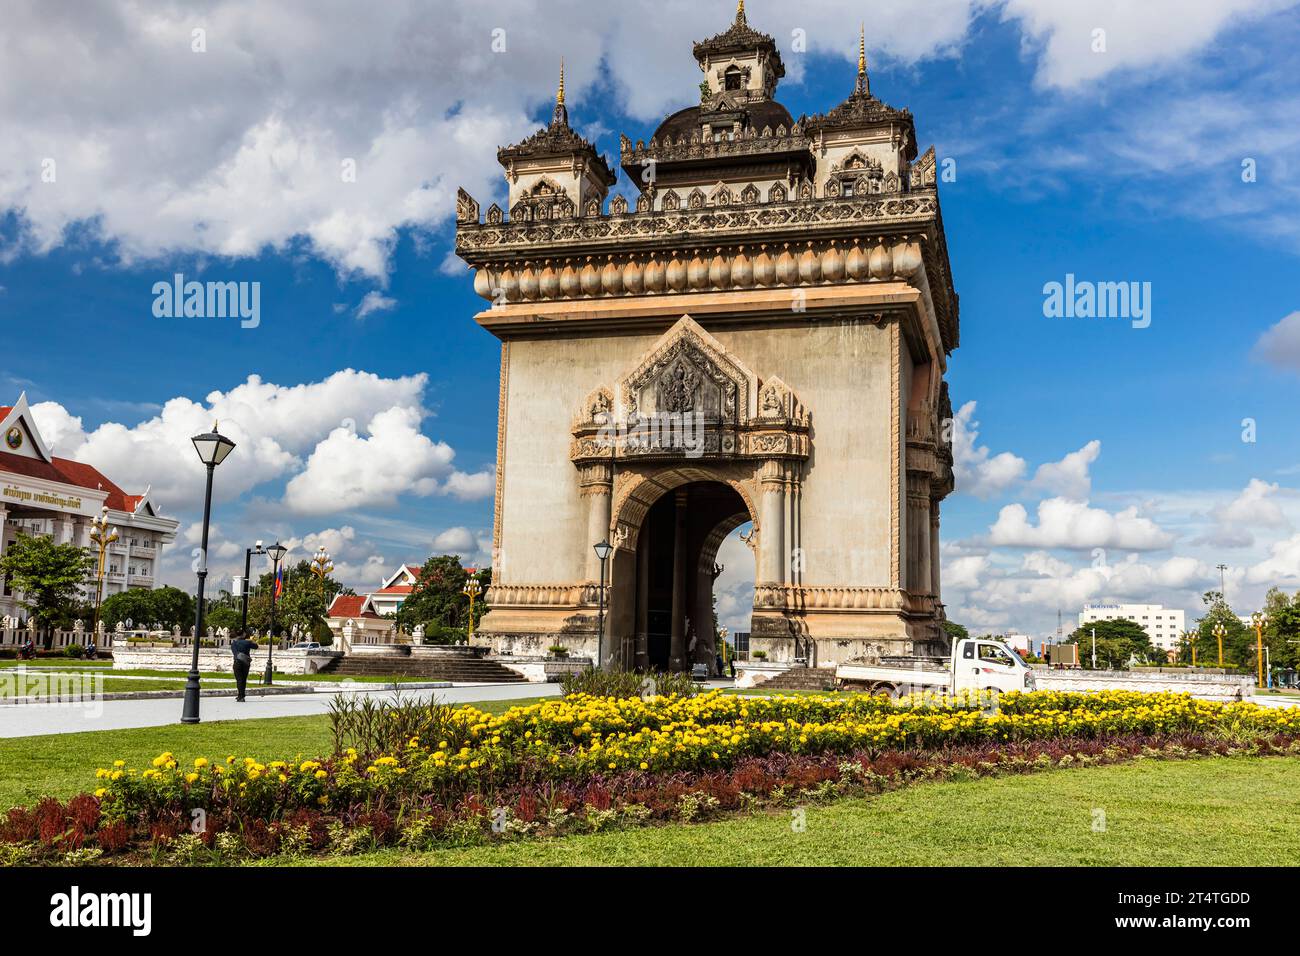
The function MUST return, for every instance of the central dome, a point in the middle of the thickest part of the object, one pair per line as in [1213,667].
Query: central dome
[759,115]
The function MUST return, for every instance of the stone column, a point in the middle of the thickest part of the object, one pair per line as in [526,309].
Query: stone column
[595,483]
[924,578]
[4,534]
[917,578]
[677,646]
[934,548]
[63,530]
[643,599]
[771,510]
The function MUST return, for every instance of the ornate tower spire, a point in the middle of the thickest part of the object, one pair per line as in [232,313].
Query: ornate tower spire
[561,115]
[863,83]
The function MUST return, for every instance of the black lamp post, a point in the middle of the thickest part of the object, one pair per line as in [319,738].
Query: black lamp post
[602,551]
[213,449]
[277,552]
[248,561]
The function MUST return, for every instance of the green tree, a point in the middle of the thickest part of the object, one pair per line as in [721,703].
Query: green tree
[438,601]
[50,577]
[145,607]
[1238,640]
[956,632]
[1282,632]
[1118,642]
[302,604]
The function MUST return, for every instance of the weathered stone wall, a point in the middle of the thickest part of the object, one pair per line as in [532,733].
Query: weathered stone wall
[217,659]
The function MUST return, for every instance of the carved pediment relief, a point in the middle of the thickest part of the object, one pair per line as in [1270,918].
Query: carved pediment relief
[689,397]
[688,370]
[778,402]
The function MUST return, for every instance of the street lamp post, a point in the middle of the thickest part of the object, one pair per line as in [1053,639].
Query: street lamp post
[602,550]
[213,449]
[276,552]
[1259,619]
[722,636]
[248,563]
[1220,631]
[1094,648]
[321,565]
[472,589]
[102,536]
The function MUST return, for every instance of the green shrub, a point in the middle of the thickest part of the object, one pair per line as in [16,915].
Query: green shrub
[387,726]
[627,684]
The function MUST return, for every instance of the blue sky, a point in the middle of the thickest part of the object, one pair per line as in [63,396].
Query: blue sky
[1122,164]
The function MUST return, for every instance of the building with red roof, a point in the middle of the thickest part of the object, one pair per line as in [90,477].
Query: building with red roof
[41,493]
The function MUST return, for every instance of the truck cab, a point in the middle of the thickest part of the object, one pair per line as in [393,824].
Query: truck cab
[981,664]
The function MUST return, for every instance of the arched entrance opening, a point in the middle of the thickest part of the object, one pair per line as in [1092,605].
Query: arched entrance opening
[663,586]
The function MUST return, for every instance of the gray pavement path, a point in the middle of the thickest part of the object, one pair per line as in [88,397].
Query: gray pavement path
[29,720]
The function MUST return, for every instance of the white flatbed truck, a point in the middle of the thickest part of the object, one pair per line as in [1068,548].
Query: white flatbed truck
[977,664]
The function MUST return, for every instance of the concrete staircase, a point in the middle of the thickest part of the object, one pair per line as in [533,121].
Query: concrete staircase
[802,678]
[475,670]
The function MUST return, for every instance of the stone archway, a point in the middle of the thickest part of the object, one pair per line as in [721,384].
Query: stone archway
[669,525]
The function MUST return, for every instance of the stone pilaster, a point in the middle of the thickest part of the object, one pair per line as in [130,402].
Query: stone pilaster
[771,541]
[677,647]
[595,483]
[934,548]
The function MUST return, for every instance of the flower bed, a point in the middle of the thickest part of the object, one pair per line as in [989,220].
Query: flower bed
[541,767]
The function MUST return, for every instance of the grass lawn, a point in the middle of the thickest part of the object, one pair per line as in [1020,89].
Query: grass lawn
[55,662]
[1239,811]
[61,765]
[63,686]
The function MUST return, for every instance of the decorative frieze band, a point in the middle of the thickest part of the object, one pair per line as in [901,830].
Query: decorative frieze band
[702,269]
[542,595]
[801,598]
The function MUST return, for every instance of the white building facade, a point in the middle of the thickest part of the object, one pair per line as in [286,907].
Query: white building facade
[47,495]
[1164,626]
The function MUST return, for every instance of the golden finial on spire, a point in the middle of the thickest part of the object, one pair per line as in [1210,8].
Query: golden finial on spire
[862,52]
[740,8]
[559,94]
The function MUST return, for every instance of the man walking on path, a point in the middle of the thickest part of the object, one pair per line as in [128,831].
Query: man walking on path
[243,649]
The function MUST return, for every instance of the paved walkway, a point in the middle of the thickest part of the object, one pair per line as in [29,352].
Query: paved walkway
[28,720]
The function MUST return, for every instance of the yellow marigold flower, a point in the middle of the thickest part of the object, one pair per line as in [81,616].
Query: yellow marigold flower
[100,792]
[119,763]
[200,762]
[191,777]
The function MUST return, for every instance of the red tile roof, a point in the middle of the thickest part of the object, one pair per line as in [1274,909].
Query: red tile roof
[69,472]
[350,605]
[5,410]
[396,589]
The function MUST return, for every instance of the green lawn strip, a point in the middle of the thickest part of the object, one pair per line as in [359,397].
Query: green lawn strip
[61,662]
[61,765]
[65,689]
[1238,811]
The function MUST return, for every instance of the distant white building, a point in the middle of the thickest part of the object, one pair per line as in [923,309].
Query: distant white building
[395,589]
[1164,626]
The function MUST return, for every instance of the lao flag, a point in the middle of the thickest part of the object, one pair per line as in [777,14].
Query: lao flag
[279,581]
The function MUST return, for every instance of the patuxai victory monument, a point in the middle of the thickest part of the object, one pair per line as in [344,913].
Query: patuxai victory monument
[759,336]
